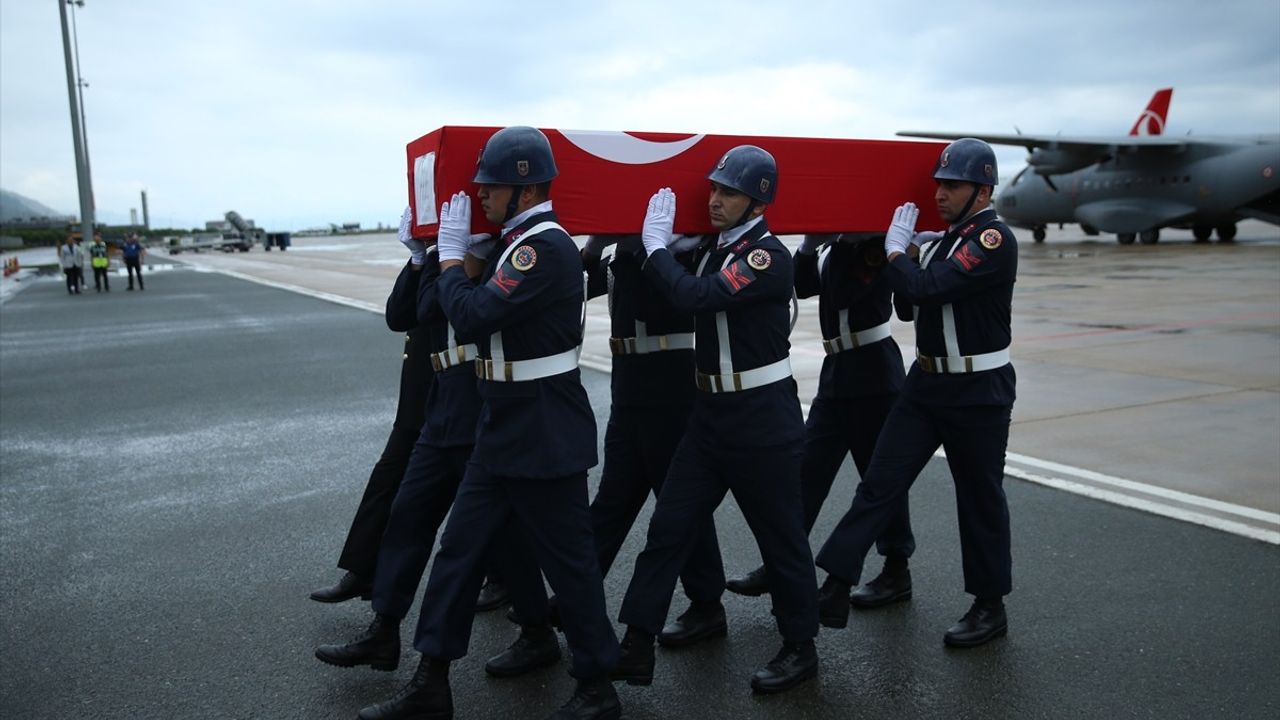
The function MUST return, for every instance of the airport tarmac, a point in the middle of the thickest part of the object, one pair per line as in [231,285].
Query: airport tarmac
[180,467]
[1148,376]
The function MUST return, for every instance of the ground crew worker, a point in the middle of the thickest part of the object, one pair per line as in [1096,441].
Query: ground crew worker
[959,393]
[536,437]
[132,251]
[99,260]
[68,259]
[859,382]
[652,392]
[745,431]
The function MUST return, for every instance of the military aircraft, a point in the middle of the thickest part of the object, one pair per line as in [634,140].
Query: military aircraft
[1133,185]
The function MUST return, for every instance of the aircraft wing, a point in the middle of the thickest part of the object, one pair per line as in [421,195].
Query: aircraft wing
[1080,143]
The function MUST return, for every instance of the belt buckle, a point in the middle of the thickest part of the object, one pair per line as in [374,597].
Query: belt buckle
[926,363]
[508,371]
[615,346]
[662,342]
[435,362]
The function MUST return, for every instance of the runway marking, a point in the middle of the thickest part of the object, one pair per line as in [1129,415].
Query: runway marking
[604,364]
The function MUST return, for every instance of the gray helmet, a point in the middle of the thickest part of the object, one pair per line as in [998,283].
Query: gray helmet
[516,155]
[967,160]
[749,170]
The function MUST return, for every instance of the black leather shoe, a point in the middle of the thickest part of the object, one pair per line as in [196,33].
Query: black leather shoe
[592,700]
[700,622]
[426,697]
[794,663]
[753,584]
[889,587]
[985,621]
[492,596]
[833,603]
[378,647]
[351,585]
[635,661]
[536,647]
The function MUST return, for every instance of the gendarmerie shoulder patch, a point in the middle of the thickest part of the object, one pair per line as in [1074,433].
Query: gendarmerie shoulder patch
[759,259]
[524,258]
[991,238]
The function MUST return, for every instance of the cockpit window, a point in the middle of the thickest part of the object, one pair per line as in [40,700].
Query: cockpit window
[1018,178]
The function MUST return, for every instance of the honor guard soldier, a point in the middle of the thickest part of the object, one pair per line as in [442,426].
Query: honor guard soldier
[745,430]
[959,393]
[536,436]
[652,391]
[360,551]
[858,384]
[430,481]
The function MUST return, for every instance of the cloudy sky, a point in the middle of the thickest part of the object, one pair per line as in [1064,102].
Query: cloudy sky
[297,113]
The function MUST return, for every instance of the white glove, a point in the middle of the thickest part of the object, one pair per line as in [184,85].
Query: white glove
[902,229]
[812,242]
[481,245]
[658,220]
[925,236]
[417,248]
[597,243]
[684,243]
[455,227]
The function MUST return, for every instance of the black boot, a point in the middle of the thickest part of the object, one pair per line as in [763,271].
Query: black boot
[702,621]
[833,603]
[794,663]
[492,596]
[892,585]
[753,584]
[349,586]
[635,662]
[378,647]
[985,621]
[536,647]
[592,700]
[426,697]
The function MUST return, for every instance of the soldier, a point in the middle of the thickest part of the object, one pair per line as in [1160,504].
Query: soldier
[652,391]
[959,393]
[536,436]
[745,429]
[858,384]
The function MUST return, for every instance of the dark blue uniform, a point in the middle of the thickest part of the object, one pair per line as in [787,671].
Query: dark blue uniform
[959,394]
[743,434]
[861,374]
[360,552]
[535,440]
[652,392]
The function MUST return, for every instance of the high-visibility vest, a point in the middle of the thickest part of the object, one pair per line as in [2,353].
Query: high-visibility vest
[98,255]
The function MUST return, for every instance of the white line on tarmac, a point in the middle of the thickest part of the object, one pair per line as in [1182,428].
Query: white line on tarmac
[604,364]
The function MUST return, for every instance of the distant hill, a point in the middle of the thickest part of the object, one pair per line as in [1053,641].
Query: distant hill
[15,207]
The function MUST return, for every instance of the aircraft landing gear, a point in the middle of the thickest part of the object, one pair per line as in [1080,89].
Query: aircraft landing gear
[1226,232]
[1149,237]
[1038,233]
[1201,232]
[1125,238]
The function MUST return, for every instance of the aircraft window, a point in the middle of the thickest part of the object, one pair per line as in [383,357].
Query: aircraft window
[1186,179]
[1018,178]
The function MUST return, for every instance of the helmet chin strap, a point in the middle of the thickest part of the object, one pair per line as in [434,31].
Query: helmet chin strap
[973,197]
[513,202]
[746,214]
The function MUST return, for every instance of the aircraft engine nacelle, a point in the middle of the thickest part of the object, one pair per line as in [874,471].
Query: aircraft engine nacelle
[1047,161]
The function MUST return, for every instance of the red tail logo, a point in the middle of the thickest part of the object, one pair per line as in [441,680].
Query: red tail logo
[1151,121]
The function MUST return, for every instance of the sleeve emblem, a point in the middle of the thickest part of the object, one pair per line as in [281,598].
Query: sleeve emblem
[524,258]
[991,239]
[759,259]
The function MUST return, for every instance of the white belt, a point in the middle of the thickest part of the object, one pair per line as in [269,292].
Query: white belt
[964,363]
[850,340]
[453,356]
[522,370]
[651,344]
[746,380]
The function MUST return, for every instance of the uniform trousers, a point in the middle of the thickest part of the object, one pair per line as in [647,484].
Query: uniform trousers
[975,438]
[554,517]
[849,426]
[360,552]
[765,484]
[638,445]
[100,279]
[135,267]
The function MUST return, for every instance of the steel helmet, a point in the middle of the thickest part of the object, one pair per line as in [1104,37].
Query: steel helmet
[749,170]
[967,160]
[516,155]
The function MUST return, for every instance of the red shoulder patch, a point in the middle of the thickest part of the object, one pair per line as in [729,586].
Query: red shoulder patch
[736,276]
[505,281]
[966,257]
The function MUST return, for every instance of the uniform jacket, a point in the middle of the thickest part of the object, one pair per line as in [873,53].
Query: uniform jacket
[453,401]
[754,293]
[644,379]
[415,370]
[849,277]
[537,428]
[971,271]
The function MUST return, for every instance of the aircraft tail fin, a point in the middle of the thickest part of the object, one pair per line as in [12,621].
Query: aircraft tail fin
[1151,121]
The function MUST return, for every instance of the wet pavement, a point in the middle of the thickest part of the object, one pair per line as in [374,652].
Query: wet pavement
[180,467]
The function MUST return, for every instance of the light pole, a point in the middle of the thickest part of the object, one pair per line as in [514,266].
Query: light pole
[77,134]
[81,84]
